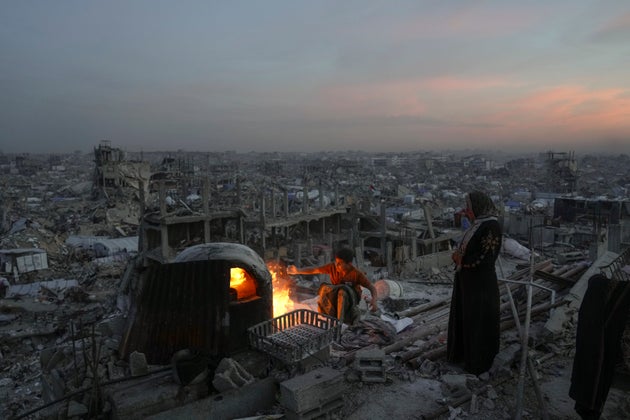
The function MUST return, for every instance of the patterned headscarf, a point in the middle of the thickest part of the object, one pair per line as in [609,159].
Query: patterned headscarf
[481,204]
[483,209]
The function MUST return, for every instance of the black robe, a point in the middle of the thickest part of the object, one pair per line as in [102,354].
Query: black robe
[601,321]
[473,326]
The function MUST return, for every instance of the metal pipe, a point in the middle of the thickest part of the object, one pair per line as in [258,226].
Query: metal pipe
[421,308]
[525,335]
[530,366]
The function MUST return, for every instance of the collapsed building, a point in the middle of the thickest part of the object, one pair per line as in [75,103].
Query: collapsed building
[185,327]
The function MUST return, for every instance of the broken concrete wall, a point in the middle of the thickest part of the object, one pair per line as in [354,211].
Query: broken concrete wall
[18,261]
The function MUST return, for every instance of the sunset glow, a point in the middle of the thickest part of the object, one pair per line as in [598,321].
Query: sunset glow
[366,75]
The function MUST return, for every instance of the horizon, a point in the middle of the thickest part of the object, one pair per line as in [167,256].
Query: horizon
[461,153]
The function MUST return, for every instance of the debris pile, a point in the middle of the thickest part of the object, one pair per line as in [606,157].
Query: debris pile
[71,250]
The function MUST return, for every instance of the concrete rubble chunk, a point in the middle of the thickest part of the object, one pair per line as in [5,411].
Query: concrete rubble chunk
[370,363]
[429,368]
[76,409]
[51,288]
[489,404]
[138,364]
[307,392]
[455,413]
[257,397]
[114,372]
[230,375]
[504,359]
[454,381]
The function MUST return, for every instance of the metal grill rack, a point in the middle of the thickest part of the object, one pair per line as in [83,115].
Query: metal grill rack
[294,336]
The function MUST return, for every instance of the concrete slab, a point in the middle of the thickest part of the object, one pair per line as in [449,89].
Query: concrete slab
[145,396]
[244,402]
[306,392]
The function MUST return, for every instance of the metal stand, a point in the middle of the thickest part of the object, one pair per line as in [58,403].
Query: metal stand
[526,361]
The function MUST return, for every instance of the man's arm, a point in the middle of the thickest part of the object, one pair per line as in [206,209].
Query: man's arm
[293,270]
[363,281]
[372,290]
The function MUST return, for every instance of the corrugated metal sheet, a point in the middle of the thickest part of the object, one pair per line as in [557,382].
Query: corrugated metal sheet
[113,259]
[82,241]
[114,245]
[104,246]
[17,251]
[33,289]
[186,305]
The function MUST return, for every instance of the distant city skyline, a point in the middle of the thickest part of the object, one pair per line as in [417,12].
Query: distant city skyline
[311,76]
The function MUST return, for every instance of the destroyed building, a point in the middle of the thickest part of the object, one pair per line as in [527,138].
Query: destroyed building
[112,170]
[158,295]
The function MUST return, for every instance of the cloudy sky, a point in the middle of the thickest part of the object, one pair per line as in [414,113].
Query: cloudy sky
[314,75]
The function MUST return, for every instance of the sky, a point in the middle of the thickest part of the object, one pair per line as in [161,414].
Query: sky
[315,75]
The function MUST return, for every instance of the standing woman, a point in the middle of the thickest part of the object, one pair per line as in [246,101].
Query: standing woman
[473,325]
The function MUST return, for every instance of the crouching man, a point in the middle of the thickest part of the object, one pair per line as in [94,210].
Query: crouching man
[340,298]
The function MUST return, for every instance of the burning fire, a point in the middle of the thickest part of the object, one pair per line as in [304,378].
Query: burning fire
[237,277]
[241,283]
[245,287]
[282,303]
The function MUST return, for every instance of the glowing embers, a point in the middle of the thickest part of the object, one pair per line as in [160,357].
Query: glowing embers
[242,285]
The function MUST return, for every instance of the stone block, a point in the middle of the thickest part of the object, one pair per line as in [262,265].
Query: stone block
[370,364]
[138,364]
[312,390]
[230,375]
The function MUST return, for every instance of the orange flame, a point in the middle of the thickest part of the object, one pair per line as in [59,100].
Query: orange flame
[242,283]
[282,302]
[237,277]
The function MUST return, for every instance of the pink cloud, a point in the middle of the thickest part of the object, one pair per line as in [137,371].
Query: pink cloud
[575,107]
[447,83]
[476,110]
[569,114]
[406,98]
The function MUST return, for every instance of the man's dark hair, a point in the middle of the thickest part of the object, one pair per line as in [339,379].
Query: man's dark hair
[345,254]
